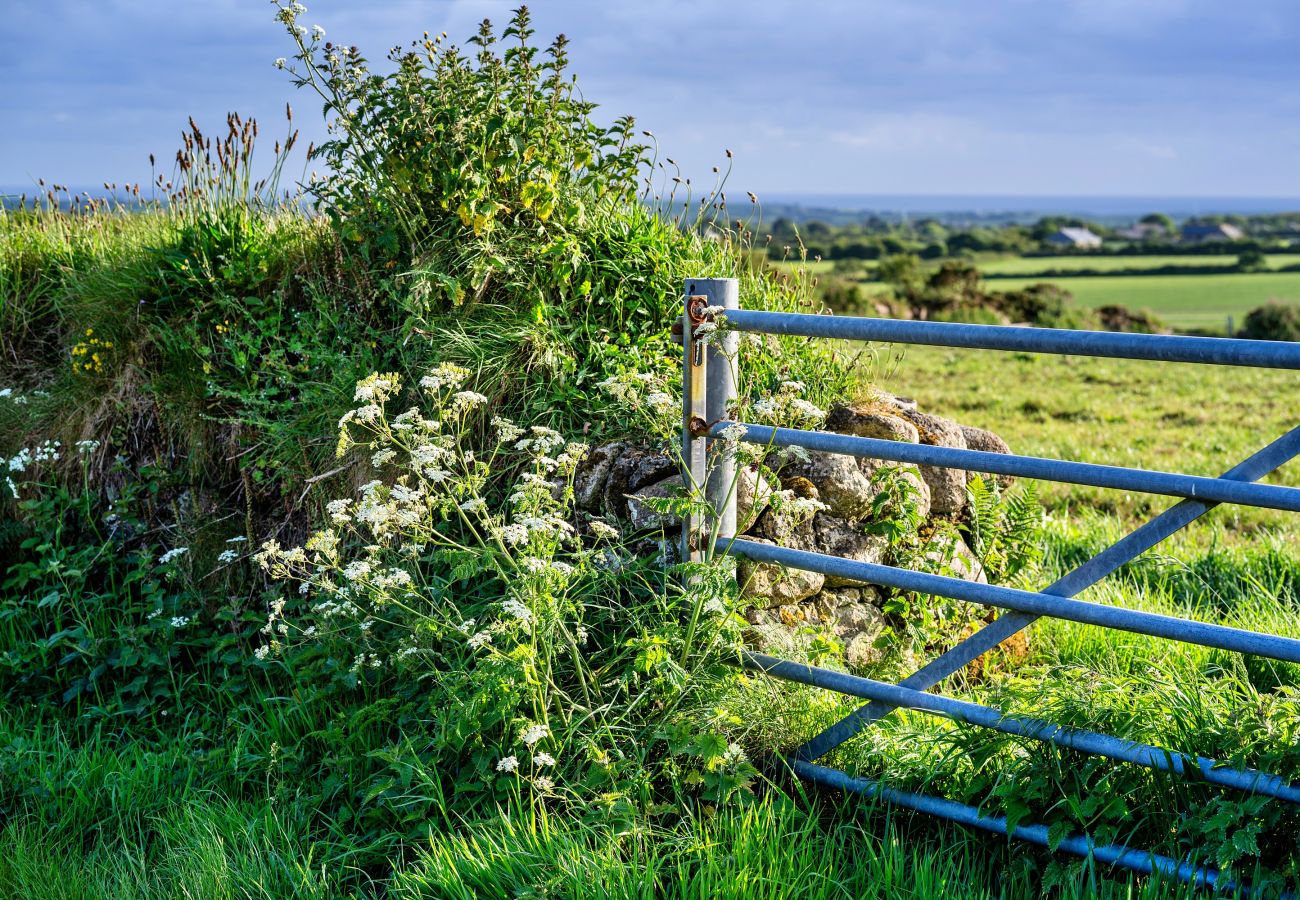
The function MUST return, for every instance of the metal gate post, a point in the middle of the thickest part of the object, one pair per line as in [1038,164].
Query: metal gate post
[708,396]
[722,362]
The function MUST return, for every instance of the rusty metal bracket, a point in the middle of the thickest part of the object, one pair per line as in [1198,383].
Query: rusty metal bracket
[696,304]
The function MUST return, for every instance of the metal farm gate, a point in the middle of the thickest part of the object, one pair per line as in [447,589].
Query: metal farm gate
[709,387]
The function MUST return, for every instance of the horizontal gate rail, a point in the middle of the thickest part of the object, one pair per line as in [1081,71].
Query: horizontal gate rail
[1080,845]
[708,425]
[896,696]
[1118,617]
[1199,487]
[1155,347]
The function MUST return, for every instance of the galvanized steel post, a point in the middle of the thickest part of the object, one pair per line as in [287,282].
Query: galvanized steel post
[720,401]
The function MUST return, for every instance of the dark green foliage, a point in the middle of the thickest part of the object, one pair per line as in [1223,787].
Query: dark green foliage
[1273,322]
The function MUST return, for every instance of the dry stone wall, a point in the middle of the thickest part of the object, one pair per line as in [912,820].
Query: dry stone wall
[790,609]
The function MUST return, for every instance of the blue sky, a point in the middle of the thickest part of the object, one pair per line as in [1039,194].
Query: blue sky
[1149,97]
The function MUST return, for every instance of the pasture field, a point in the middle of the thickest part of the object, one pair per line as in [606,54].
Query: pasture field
[1027,266]
[1031,265]
[1183,301]
[1200,420]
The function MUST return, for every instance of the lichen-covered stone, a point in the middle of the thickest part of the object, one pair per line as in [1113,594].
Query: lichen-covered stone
[753,493]
[844,539]
[947,486]
[839,480]
[589,481]
[631,471]
[949,555]
[871,422]
[640,514]
[987,442]
[770,585]
[752,496]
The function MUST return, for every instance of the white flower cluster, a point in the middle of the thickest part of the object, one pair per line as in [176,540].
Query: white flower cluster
[444,376]
[788,407]
[47,451]
[174,553]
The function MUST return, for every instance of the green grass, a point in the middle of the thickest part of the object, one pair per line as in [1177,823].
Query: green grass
[106,818]
[1184,301]
[1029,265]
[1201,420]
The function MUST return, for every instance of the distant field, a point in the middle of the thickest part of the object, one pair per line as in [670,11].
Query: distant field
[1028,265]
[1185,301]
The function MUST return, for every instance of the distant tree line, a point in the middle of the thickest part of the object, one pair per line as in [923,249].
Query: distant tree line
[876,237]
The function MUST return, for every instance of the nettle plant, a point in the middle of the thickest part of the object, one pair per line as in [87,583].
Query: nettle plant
[552,655]
[461,164]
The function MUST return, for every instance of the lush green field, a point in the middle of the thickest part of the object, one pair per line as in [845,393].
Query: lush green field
[1186,301]
[1183,301]
[1200,420]
[1029,265]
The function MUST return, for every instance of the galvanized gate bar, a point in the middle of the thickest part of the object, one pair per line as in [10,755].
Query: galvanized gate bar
[1220,490]
[896,696]
[1128,548]
[1154,624]
[1156,347]
[1079,845]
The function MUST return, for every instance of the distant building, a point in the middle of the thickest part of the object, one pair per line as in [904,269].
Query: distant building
[1196,233]
[1079,238]
[1144,231]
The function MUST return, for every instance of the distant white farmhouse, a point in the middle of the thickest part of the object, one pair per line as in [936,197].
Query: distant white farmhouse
[1143,231]
[1079,238]
[1211,231]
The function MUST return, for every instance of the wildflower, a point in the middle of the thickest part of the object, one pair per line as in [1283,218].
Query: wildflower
[318,31]
[514,534]
[180,621]
[464,401]
[517,610]
[174,553]
[535,733]
[87,447]
[445,375]
[262,652]
[473,504]
[482,639]
[733,434]
[543,759]
[153,615]
[603,530]
[368,413]
[507,431]
[710,311]
[279,62]
[383,457]
[544,783]
[508,764]
[237,539]
[661,403]
[227,556]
